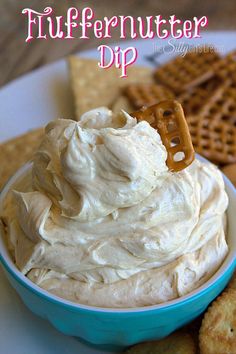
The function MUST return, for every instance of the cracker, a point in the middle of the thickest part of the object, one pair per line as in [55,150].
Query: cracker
[183,73]
[177,343]
[16,152]
[218,330]
[142,94]
[95,87]
[215,140]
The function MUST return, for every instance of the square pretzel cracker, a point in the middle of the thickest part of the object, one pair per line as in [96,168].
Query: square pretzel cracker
[214,139]
[221,105]
[16,152]
[226,67]
[194,99]
[94,87]
[184,73]
[143,94]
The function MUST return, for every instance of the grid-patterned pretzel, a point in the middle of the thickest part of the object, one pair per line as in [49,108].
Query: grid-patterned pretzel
[183,73]
[226,66]
[140,94]
[168,118]
[216,140]
[221,106]
[193,99]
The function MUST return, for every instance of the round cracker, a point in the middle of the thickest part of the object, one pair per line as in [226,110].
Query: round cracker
[177,343]
[218,330]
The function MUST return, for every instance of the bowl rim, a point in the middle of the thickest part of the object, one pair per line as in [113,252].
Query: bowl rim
[7,263]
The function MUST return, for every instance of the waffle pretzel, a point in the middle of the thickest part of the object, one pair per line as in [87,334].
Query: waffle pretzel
[168,118]
[140,94]
[184,73]
[213,139]
[221,106]
[193,100]
[226,66]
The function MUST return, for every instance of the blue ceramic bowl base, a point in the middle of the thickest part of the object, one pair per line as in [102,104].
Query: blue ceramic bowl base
[125,329]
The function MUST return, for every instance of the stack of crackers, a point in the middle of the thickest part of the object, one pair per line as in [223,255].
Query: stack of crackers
[205,84]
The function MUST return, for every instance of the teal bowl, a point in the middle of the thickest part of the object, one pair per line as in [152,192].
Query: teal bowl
[114,329]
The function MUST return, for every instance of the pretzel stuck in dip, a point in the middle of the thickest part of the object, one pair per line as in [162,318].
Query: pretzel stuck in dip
[168,118]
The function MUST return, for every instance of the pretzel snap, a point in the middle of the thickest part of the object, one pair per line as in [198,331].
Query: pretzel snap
[167,117]
[140,94]
[184,73]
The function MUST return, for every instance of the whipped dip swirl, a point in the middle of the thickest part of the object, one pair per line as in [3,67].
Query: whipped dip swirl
[106,223]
